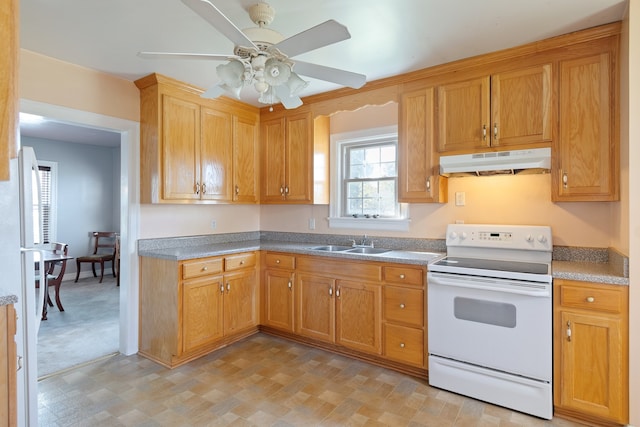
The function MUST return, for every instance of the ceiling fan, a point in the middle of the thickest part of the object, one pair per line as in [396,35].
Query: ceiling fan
[262,56]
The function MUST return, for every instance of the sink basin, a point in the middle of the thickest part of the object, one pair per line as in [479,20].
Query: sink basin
[330,248]
[367,251]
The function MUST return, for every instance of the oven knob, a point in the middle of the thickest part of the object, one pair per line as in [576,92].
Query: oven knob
[542,238]
[529,238]
[463,235]
[453,235]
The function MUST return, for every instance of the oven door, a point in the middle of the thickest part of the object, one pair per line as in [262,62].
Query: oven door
[500,324]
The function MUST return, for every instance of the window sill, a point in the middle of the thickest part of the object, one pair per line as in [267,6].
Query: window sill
[370,223]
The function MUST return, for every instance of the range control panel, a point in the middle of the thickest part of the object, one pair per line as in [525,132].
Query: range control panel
[522,237]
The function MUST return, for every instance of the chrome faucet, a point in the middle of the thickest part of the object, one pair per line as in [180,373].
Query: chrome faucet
[363,243]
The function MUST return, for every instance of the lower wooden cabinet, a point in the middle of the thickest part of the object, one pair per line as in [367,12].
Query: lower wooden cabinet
[8,362]
[190,308]
[591,351]
[278,291]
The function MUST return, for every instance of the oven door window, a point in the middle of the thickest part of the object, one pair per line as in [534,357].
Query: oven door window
[488,312]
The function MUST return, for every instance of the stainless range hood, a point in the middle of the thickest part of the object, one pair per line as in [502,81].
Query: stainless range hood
[536,160]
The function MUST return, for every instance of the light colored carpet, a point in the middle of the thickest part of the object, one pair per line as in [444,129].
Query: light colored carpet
[86,330]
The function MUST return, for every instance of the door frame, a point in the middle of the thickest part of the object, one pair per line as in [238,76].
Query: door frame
[129,205]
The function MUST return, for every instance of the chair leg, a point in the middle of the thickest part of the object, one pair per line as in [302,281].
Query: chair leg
[113,267]
[58,303]
[77,270]
[49,300]
[93,268]
[101,271]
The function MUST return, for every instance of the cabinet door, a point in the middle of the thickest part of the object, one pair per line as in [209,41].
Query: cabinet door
[358,316]
[587,147]
[463,115]
[278,299]
[521,106]
[273,158]
[180,149]
[240,301]
[591,366]
[8,85]
[245,159]
[201,312]
[298,158]
[215,151]
[418,174]
[315,315]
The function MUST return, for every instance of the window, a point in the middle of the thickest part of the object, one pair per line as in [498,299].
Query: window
[48,185]
[364,181]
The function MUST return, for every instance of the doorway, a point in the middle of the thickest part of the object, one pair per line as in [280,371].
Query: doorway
[129,205]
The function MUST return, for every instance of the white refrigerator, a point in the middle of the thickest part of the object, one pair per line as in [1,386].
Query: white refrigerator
[20,240]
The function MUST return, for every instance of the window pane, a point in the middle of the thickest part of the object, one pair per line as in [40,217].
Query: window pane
[357,171]
[354,189]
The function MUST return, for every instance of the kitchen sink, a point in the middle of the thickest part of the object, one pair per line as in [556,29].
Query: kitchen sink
[367,251]
[331,248]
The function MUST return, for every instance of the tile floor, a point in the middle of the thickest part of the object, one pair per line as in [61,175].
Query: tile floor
[260,381]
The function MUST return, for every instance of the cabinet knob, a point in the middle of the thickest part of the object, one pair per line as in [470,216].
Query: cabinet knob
[401,345]
[228,286]
[277,261]
[402,305]
[429,184]
[565,179]
[289,285]
[330,291]
[590,299]
[484,132]
[402,276]
[237,190]
[495,131]
[242,262]
[205,268]
[203,188]
[222,289]
[196,188]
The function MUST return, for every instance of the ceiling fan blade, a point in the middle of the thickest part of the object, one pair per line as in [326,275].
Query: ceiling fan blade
[220,22]
[207,56]
[334,75]
[321,35]
[289,102]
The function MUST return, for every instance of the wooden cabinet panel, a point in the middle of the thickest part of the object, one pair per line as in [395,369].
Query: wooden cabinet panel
[463,115]
[278,299]
[591,351]
[8,85]
[587,149]
[236,262]
[419,177]
[279,260]
[202,312]
[404,275]
[315,317]
[404,344]
[521,107]
[216,154]
[245,159]
[8,362]
[272,135]
[240,301]
[181,149]
[201,267]
[358,315]
[299,160]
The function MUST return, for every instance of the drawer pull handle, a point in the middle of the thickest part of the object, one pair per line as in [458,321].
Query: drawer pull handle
[290,286]
[222,289]
[590,299]
[568,330]
[401,345]
[402,305]
[402,276]
[277,261]
[330,291]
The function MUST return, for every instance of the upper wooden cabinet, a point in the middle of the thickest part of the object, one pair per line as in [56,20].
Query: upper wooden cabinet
[419,179]
[8,85]
[195,150]
[587,149]
[290,141]
[509,108]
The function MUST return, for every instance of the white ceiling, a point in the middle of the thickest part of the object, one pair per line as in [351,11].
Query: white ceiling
[387,37]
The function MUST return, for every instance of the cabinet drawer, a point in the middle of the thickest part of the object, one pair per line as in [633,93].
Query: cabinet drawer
[404,275]
[273,260]
[404,305]
[201,267]
[404,344]
[340,268]
[236,262]
[592,298]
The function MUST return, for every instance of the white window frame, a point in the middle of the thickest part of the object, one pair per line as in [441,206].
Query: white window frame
[336,220]
[53,212]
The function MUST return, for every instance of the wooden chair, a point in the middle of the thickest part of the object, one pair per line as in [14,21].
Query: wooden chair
[104,250]
[55,279]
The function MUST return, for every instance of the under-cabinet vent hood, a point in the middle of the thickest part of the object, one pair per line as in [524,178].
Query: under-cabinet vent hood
[536,160]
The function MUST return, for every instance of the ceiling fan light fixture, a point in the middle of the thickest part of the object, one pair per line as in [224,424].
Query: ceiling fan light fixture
[295,84]
[276,72]
[232,73]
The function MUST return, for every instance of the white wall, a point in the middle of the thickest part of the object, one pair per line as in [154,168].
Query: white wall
[86,192]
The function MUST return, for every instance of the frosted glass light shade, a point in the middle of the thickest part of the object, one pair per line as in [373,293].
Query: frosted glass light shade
[295,84]
[231,73]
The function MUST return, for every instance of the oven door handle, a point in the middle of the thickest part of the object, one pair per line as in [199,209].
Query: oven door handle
[488,285]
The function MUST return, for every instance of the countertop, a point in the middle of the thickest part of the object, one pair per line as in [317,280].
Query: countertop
[598,272]
[7,298]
